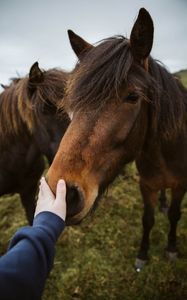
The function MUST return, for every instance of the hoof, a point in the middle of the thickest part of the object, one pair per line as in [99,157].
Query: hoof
[172,256]
[164,210]
[139,264]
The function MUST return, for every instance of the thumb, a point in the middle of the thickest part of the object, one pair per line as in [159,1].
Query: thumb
[61,191]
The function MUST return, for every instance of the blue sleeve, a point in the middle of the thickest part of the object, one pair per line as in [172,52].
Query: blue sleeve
[26,265]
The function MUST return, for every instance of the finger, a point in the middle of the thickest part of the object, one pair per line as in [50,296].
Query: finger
[41,179]
[45,189]
[60,202]
[61,190]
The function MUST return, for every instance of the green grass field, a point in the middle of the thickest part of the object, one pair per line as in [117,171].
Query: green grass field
[183,76]
[95,261]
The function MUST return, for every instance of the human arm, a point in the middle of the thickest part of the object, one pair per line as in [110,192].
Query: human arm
[26,265]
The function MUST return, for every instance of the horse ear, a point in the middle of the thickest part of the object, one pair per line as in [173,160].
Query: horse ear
[35,74]
[78,45]
[141,38]
[4,86]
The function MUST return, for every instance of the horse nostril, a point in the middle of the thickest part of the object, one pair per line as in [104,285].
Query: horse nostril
[74,200]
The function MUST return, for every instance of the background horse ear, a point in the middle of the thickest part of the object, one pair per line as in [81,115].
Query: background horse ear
[4,86]
[35,74]
[78,45]
[141,38]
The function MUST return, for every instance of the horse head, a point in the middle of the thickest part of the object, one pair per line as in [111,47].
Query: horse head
[106,98]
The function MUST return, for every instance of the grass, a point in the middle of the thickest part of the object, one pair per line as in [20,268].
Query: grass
[183,76]
[95,261]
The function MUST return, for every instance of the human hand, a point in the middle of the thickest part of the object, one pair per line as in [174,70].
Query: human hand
[48,202]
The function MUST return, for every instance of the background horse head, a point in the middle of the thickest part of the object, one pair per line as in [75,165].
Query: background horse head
[29,129]
[45,91]
[30,105]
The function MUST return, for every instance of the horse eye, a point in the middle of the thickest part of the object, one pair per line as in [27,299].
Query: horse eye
[131,97]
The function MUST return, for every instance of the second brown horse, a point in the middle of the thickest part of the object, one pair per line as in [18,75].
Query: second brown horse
[29,129]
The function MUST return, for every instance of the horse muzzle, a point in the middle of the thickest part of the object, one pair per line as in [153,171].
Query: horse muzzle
[75,204]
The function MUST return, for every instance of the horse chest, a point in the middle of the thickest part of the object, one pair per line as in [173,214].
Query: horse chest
[156,174]
[161,180]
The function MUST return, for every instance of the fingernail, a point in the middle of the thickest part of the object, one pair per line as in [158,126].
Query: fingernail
[61,182]
[42,178]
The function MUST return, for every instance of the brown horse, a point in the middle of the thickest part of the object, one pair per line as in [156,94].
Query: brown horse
[29,129]
[124,106]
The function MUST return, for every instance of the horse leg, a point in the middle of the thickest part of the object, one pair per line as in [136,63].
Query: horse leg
[35,166]
[28,200]
[149,199]
[163,202]
[174,215]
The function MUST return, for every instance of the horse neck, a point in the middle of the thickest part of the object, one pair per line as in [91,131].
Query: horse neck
[168,107]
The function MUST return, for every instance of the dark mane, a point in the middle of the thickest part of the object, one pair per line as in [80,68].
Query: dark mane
[104,68]
[20,109]
[169,100]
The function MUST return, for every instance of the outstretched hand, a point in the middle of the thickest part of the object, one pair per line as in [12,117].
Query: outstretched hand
[48,202]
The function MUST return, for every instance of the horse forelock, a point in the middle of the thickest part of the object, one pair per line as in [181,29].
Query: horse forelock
[101,73]
[95,77]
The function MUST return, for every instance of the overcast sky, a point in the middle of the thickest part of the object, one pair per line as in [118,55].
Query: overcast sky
[36,30]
